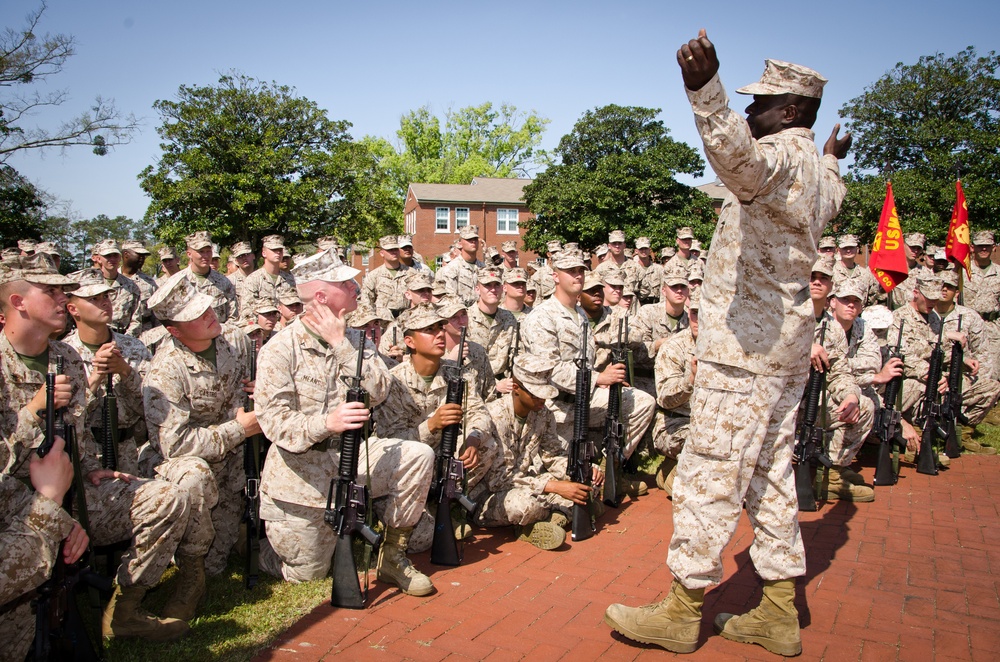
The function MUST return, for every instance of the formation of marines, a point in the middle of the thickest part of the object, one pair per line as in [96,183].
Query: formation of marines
[718,353]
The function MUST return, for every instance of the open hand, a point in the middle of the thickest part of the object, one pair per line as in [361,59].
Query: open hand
[838,146]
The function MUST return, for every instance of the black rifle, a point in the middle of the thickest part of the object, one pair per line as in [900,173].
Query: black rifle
[517,341]
[887,428]
[348,516]
[953,416]
[109,425]
[931,412]
[449,473]
[251,491]
[581,449]
[614,431]
[59,630]
[809,439]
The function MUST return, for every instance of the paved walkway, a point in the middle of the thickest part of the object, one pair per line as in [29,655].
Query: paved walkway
[909,577]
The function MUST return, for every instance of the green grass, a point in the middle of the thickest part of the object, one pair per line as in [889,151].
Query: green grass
[233,623]
[987,434]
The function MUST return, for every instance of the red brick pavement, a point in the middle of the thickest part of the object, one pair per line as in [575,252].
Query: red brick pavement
[908,577]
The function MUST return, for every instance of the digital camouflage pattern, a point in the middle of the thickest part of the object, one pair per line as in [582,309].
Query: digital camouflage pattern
[262,288]
[384,289]
[460,278]
[674,385]
[125,296]
[143,319]
[224,301]
[495,334]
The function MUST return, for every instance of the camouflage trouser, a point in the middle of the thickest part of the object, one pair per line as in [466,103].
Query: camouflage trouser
[846,439]
[423,533]
[216,505]
[670,431]
[517,505]
[739,451]
[636,415]
[978,397]
[300,544]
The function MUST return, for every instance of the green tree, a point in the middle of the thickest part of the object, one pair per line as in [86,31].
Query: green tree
[22,208]
[82,233]
[246,158]
[28,60]
[922,124]
[477,141]
[616,171]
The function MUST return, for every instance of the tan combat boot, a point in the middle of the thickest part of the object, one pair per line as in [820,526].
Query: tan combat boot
[183,604]
[559,519]
[394,568]
[972,446]
[665,475]
[672,624]
[853,477]
[547,534]
[125,617]
[838,488]
[773,624]
[627,486]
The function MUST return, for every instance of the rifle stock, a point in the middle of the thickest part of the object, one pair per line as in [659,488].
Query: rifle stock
[614,431]
[582,449]
[887,427]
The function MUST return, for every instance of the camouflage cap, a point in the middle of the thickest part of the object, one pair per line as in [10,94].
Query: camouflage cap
[591,281]
[10,253]
[469,232]
[827,242]
[177,300]
[362,315]
[642,242]
[983,238]
[508,246]
[406,240]
[457,244]
[273,242]
[614,277]
[786,78]
[106,247]
[696,245]
[878,317]
[491,252]
[515,275]
[847,240]
[553,246]
[668,252]
[616,236]
[939,255]
[135,247]
[419,280]
[264,307]
[694,300]
[389,242]
[531,286]
[240,248]
[824,265]
[449,306]
[571,246]
[915,239]
[628,292]
[419,317]
[567,259]
[326,243]
[685,233]
[439,289]
[198,240]
[47,247]
[676,274]
[216,251]
[696,270]
[27,245]
[949,276]
[325,266]
[534,372]
[91,282]
[930,287]
[38,269]
[601,250]
[167,253]
[850,287]
[629,253]
[489,275]
[289,298]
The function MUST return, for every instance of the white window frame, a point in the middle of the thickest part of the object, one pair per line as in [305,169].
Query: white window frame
[468,217]
[365,257]
[411,222]
[437,219]
[505,228]
[438,262]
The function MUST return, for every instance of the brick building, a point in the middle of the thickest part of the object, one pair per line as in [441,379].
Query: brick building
[433,213]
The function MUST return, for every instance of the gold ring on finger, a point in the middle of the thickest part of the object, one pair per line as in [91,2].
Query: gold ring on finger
[689,58]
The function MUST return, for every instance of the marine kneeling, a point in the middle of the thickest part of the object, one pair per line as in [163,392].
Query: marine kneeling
[300,404]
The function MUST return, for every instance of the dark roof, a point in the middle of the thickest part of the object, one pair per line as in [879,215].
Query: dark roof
[715,190]
[482,189]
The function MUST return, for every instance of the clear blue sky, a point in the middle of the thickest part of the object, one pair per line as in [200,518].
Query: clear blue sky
[370,62]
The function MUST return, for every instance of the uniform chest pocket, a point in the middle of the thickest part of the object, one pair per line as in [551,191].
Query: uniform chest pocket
[311,390]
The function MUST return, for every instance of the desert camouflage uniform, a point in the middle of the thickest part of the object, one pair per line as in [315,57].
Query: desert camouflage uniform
[128,390]
[239,280]
[31,530]
[409,404]
[979,393]
[554,331]
[190,408]
[298,384]
[605,332]
[479,371]
[460,278]
[753,346]
[651,324]
[143,319]
[224,301]
[863,360]
[902,294]
[384,289]
[260,287]
[546,286]
[674,384]
[125,296]
[845,439]
[678,261]
[496,335]
[631,272]
[529,457]
[652,282]
[152,513]
[982,294]
[870,286]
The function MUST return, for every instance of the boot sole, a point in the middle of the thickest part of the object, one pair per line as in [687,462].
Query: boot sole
[776,647]
[671,645]
[547,538]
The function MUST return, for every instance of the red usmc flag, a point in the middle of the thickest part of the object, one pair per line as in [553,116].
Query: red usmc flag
[888,260]
[957,248]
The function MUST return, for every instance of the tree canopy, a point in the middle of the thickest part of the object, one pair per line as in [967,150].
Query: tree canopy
[26,60]
[616,171]
[22,208]
[476,141]
[245,158]
[922,125]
